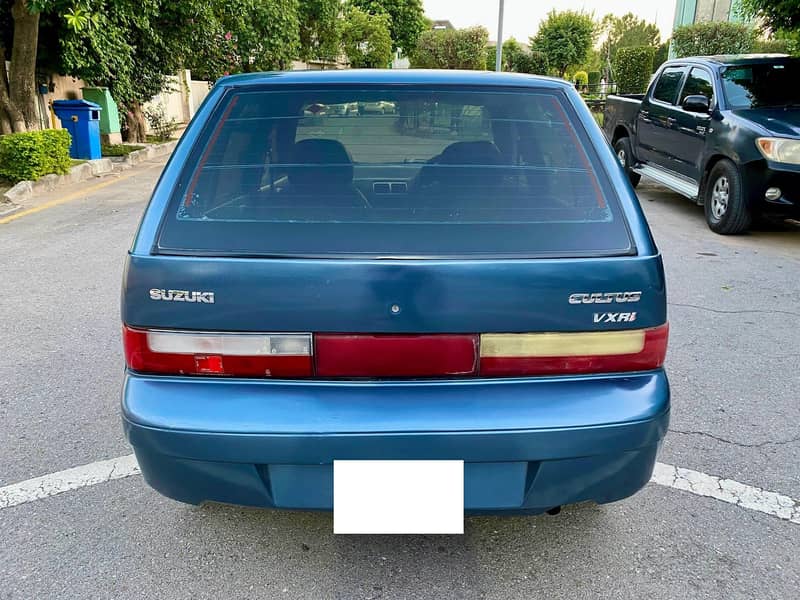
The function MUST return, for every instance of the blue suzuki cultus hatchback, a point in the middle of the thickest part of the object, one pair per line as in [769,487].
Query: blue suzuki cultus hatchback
[463,274]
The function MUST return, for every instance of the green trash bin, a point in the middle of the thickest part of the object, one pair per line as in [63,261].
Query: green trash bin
[109,116]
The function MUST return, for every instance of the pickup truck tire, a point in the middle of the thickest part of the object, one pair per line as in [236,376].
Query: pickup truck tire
[725,201]
[622,148]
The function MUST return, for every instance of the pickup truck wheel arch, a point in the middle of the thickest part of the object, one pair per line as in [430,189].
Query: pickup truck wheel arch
[709,164]
[624,152]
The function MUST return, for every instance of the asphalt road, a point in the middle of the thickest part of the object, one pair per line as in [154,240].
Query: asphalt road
[734,313]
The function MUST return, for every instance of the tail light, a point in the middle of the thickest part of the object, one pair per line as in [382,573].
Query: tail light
[395,355]
[384,356]
[517,354]
[232,354]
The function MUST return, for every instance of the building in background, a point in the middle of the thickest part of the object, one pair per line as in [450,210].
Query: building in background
[688,12]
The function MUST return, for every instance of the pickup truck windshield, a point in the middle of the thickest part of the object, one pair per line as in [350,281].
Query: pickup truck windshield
[382,171]
[762,85]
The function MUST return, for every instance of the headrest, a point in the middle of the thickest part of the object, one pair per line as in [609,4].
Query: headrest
[320,162]
[470,153]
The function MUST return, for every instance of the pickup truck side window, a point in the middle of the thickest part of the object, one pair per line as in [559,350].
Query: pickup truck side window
[667,87]
[698,83]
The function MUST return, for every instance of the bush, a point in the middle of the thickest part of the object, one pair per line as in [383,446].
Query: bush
[452,49]
[776,46]
[162,127]
[632,69]
[593,78]
[28,156]
[719,37]
[532,62]
[581,78]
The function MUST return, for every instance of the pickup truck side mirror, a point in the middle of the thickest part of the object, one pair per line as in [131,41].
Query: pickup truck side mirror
[696,103]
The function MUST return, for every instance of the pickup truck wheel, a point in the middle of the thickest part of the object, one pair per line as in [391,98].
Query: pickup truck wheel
[725,202]
[624,155]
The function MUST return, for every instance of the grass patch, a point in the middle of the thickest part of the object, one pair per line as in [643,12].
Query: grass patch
[118,149]
[598,116]
[154,139]
[74,162]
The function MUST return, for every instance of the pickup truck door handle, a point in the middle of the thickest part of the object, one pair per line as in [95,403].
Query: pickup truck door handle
[671,121]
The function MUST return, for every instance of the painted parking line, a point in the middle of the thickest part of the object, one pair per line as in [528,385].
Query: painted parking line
[728,490]
[69,479]
[687,480]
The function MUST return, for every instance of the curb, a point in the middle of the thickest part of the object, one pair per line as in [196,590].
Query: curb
[152,151]
[83,172]
[25,189]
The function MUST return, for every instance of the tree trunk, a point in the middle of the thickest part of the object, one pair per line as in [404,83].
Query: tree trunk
[11,118]
[22,74]
[137,127]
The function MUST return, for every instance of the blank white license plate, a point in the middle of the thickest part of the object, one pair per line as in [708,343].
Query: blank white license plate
[398,496]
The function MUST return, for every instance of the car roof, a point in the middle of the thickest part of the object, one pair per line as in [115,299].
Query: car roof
[395,77]
[733,59]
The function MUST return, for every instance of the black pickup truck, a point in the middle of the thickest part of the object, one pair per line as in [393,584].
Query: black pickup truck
[721,130]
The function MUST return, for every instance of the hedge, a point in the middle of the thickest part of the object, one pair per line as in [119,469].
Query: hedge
[594,78]
[451,49]
[718,37]
[632,69]
[532,62]
[30,155]
[581,78]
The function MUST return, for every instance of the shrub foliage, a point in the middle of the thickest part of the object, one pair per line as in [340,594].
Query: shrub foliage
[632,69]
[451,49]
[718,37]
[30,155]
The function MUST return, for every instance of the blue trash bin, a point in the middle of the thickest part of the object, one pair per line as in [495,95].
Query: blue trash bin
[82,119]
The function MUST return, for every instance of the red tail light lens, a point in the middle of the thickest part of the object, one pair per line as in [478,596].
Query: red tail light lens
[395,355]
[388,356]
[509,355]
[231,354]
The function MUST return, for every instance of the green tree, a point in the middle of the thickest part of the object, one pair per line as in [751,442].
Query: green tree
[319,31]
[512,50]
[452,49]
[627,31]
[366,39]
[133,47]
[661,55]
[777,15]
[565,38]
[265,32]
[138,43]
[703,39]
[406,20]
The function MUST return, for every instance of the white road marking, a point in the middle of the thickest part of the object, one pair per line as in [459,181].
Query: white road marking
[69,479]
[727,490]
[687,480]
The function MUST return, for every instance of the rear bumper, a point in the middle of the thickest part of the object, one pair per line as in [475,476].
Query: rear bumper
[528,445]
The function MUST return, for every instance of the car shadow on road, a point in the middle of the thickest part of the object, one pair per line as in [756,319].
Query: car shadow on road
[658,201]
[520,548]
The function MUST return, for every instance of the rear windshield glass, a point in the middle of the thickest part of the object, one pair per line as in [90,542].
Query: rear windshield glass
[393,172]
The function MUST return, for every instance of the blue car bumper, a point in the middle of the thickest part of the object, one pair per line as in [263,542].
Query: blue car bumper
[528,444]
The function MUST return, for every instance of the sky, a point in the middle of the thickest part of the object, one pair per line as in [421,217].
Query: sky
[521,18]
